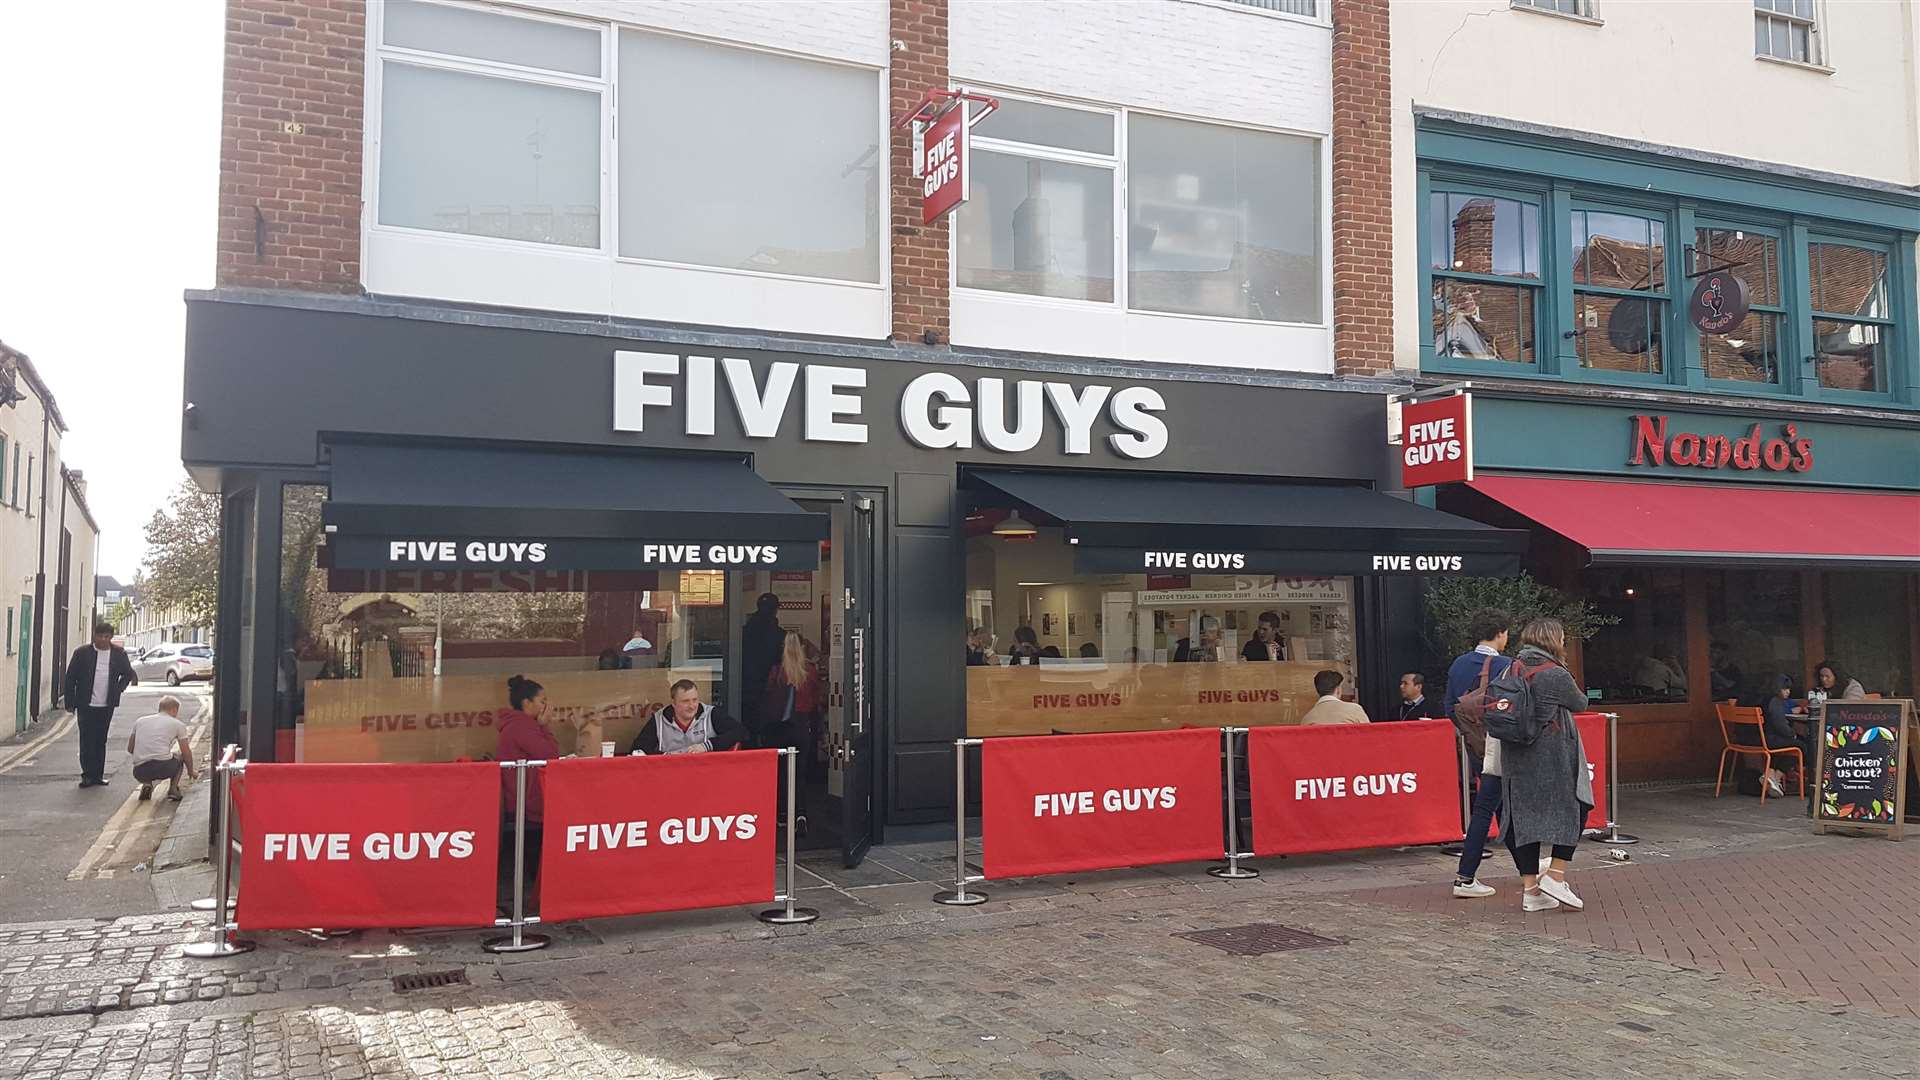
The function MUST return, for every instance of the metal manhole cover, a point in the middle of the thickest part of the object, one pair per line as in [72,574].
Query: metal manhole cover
[1258,939]
[427,980]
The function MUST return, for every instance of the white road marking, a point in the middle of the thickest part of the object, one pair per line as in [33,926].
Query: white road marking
[132,817]
[25,754]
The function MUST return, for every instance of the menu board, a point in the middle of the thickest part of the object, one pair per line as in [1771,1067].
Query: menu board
[1862,752]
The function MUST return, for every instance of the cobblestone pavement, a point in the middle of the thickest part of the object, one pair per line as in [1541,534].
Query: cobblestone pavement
[1059,978]
[1838,920]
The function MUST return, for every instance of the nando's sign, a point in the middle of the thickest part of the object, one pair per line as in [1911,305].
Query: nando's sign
[1654,445]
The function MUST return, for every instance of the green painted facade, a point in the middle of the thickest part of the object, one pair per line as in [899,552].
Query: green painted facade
[1572,437]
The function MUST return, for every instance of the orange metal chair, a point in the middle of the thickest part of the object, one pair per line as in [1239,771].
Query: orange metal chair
[1732,717]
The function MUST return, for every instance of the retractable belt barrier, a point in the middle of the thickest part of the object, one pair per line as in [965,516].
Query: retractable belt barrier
[402,846]
[1065,803]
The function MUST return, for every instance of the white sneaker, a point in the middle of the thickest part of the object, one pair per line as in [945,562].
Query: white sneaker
[1778,789]
[1471,890]
[1559,890]
[1537,901]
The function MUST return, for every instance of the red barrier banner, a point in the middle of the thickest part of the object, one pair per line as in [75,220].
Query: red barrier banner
[1337,787]
[346,846]
[1593,736]
[1051,804]
[627,835]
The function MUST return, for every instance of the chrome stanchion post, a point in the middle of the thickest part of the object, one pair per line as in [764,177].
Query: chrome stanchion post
[960,897]
[519,941]
[1233,870]
[227,756]
[787,915]
[223,942]
[1614,835]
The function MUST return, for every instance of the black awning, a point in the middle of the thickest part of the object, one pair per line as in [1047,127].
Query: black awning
[1179,524]
[458,506]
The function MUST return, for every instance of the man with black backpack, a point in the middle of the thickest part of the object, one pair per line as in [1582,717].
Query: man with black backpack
[1468,676]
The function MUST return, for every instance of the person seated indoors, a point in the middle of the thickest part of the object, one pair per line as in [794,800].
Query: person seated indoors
[1331,709]
[687,726]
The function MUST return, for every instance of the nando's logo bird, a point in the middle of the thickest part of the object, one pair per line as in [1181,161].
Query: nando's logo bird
[1719,303]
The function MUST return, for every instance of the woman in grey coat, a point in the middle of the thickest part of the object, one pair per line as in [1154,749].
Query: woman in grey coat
[1547,790]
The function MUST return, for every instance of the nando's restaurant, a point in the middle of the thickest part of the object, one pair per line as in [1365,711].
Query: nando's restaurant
[1731,542]
[422,501]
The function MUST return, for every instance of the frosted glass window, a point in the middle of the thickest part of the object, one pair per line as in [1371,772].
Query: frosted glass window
[735,158]
[483,35]
[1222,221]
[485,156]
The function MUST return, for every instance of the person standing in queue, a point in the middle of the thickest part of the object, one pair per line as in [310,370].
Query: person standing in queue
[1414,702]
[96,677]
[760,643]
[792,704]
[1471,670]
[522,734]
[1545,783]
[686,726]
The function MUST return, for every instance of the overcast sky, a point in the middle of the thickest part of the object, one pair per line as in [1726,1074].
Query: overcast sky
[108,171]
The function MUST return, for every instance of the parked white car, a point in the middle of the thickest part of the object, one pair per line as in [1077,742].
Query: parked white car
[175,662]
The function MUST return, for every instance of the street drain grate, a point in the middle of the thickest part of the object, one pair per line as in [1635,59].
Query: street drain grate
[1258,939]
[427,980]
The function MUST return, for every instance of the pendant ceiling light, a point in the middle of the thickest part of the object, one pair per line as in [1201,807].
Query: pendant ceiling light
[1015,525]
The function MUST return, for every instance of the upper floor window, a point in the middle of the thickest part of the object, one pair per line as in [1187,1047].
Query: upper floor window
[1308,8]
[1749,352]
[1620,291]
[1786,30]
[1217,220]
[1582,8]
[1852,319]
[503,126]
[1487,290]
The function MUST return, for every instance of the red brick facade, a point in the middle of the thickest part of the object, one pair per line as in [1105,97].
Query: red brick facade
[920,275]
[1362,189]
[290,138]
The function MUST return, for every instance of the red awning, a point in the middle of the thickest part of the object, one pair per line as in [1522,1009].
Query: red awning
[1632,521]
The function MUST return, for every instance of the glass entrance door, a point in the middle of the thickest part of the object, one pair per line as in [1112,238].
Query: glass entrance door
[855,747]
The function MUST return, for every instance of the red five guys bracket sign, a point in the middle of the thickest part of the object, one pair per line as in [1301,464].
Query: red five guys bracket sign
[628,835]
[1436,441]
[346,846]
[1052,804]
[1345,786]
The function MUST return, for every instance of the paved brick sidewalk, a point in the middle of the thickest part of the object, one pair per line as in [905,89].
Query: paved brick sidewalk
[1840,920]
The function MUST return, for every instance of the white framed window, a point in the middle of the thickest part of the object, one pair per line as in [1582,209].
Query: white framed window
[565,163]
[1150,212]
[1309,9]
[1580,9]
[490,125]
[1787,30]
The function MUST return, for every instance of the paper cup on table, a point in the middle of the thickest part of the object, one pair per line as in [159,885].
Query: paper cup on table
[607,749]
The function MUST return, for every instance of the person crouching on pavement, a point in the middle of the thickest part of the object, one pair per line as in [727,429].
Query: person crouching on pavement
[160,750]
[688,727]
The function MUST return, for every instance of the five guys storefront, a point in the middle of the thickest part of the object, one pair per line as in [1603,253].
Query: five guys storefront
[421,501]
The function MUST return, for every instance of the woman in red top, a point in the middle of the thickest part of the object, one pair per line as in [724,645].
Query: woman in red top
[790,713]
[522,735]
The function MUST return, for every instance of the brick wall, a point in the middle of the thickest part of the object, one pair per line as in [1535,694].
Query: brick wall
[1362,189]
[920,303]
[290,139]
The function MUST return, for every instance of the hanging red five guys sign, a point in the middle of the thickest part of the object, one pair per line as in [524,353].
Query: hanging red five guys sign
[1436,441]
[942,164]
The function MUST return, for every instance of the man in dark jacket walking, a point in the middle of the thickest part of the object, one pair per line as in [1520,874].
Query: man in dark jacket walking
[1489,627]
[761,640]
[96,677]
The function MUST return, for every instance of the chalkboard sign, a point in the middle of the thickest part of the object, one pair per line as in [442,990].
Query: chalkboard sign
[1862,753]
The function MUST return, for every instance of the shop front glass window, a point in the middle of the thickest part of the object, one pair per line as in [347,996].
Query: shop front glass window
[413,665]
[1869,629]
[1753,623]
[1642,658]
[1485,255]
[1852,318]
[1053,651]
[1619,298]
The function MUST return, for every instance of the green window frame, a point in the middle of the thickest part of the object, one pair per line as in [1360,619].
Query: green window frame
[1755,355]
[1850,352]
[1484,279]
[1618,282]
